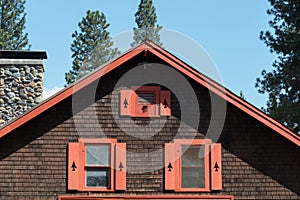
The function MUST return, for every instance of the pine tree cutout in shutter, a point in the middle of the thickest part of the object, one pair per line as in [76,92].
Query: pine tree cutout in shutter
[165,103]
[73,165]
[216,166]
[120,166]
[170,166]
[126,102]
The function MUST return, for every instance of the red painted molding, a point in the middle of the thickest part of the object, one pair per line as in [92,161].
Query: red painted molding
[152,110]
[177,64]
[149,197]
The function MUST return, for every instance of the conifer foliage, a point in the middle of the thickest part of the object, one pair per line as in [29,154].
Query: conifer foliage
[282,84]
[147,27]
[92,46]
[12,25]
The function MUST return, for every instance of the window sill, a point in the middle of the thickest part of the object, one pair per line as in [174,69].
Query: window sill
[193,190]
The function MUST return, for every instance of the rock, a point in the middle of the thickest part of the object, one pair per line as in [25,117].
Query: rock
[8,73]
[22,73]
[30,94]
[6,118]
[23,93]
[27,69]
[16,75]
[39,75]
[14,89]
[29,89]
[38,99]
[2,72]
[39,84]
[9,101]
[29,76]
[22,102]
[30,99]
[14,69]
[33,71]
[40,69]
[2,93]
[32,84]
[2,82]
[17,99]
[11,95]
[36,79]
[5,98]
[26,81]
[8,80]
[15,84]
[7,89]
[40,90]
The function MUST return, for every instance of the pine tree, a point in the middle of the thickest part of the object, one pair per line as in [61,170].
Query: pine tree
[282,84]
[91,47]
[242,95]
[12,25]
[147,27]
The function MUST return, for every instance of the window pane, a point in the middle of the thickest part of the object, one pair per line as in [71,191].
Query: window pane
[145,98]
[192,162]
[193,155]
[97,155]
[193,177]
[97,178]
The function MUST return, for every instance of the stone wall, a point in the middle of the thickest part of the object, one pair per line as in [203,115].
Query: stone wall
[21,88]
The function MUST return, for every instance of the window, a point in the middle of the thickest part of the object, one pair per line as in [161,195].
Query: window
[145,101]
[193,165]
[97,165]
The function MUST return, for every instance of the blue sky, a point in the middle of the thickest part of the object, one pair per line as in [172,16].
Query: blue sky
[227,30]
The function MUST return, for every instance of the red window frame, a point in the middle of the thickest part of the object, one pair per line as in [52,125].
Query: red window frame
[182,142]
[173,166]
[82,177]
[152,109]
[77,165]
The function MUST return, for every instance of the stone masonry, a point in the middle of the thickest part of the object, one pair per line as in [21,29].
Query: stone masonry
[21,82]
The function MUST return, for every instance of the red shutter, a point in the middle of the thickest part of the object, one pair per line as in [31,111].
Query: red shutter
[120,166]
[73,166]
[165,103]
[126,102]
[170,166]
[216,166]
